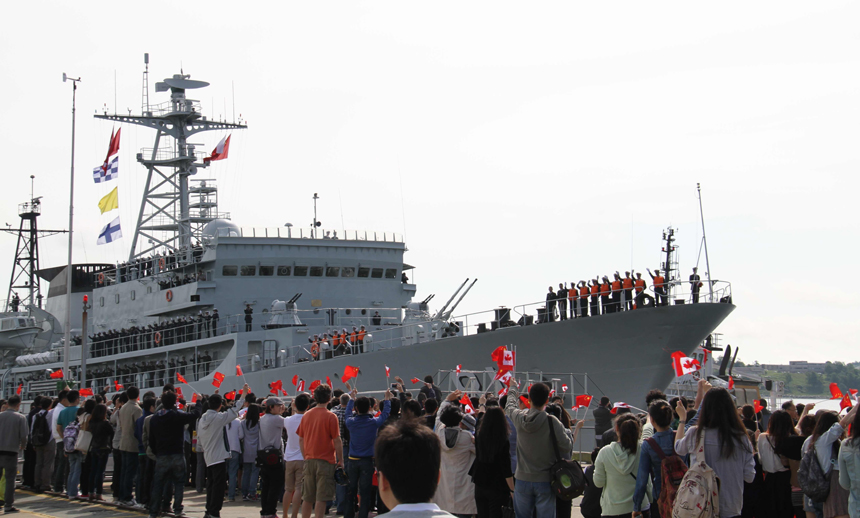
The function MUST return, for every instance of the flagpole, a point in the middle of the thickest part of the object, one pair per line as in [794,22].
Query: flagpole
[67,328]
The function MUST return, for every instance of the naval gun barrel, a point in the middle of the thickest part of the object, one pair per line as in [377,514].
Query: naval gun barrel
[428,299]
[448,314]
[442,310]
[295,298]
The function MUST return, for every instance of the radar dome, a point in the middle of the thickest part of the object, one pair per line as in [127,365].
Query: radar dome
[221,228]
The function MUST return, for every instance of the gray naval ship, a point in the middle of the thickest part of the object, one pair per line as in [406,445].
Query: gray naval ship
[305,303]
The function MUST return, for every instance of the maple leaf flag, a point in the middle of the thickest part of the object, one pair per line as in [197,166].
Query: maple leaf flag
[387,372]
[551,393]
[349,372]
[180,378]
[683,364]
[504,377]
[853,393]
[458,369]
[503,391]
[503,358]
[301,386]
[217,379]
[835,392]
[220,151]
[564,387]
[314,384]
[238,370]
[582,401]
[618,405]
[466,402]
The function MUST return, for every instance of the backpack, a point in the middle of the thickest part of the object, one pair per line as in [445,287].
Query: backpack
[698,495]
[814,483]
[70,436]
[568,480]
[41,430]
[672,471]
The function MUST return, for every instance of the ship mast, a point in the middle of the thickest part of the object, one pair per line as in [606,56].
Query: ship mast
[167,219]
[26,263]
[705,242]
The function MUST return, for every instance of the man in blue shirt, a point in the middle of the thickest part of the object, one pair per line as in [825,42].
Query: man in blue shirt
[363,428]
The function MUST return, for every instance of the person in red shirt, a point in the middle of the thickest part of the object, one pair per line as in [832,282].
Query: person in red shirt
[322,449]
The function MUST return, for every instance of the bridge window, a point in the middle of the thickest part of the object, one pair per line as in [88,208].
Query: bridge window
[391,273]
[300,271]
[332,271]
[316,271]
[248,271]
[376,273]
[267,271]
[229,271]
[348,271]
[284,271]
[363,272]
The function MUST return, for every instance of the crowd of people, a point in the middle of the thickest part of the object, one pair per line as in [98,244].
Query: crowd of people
[167,332]
[424,454]
[154,264]
[602,295]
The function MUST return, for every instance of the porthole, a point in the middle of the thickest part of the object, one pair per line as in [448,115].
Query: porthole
[349,312]
[363,311]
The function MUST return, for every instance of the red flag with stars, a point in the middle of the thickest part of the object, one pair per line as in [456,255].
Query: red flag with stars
[57,375]
[217,379]
[415,380]
[845,403]
[349,372]
[835,392]
[328,381]
[466,402]
[180,378]
[583,400]
[314,384]
[238,370]
[276,387]
[86,392]
[757,407]
[230,395]
[194,398]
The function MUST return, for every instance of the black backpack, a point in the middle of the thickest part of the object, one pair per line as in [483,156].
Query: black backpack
[41,430]
[568,480]
[813,482]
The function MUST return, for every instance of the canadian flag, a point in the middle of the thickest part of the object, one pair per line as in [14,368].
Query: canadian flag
[684,364]
[466,402]
[220,151]
[618,405]
[387,372]
[552,393]
[504,377]
[458,369]
[564,387]
[301,386]
[853,393]
[503,358]
[503,391]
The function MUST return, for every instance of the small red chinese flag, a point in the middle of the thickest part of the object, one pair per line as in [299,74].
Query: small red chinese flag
[731,383]
[117,385]
[230,395]
[314,384]
[275,387]
[526,401]
[240,392]
[179,392]
[217,379]
[416,380]
[835,392]
[328,381]
[180,378]
[194,398]
[295,380]
[238,370]
[86,392]
[20,388]
[757,406]
[57,375]
[466,402]
[349,372]
[845,403]
[583,400]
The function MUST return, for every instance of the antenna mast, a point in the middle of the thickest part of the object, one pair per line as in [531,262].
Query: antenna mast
[144,108]
[705,241]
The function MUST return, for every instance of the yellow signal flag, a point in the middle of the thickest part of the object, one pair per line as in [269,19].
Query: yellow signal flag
[110,202]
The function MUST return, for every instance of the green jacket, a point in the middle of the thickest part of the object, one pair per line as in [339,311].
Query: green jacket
[615,471]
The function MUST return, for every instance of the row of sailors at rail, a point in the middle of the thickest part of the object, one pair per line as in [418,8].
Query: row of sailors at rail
[331,344]
[603,297]
[167,332]
[148,266]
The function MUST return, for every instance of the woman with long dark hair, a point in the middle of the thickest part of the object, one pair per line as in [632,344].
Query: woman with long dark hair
[249,434]
[776,490]
[491,473]
[849,469]
[829,429]
[661,415]
[100,448]
[728,450]
[616,467]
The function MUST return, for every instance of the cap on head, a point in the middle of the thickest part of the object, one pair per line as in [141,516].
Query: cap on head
[273,401]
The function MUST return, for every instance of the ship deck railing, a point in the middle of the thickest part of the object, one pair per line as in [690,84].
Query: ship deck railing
[535,312]
[310,233]
[137,270]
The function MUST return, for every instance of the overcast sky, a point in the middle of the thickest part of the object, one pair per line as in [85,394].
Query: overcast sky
[522,144]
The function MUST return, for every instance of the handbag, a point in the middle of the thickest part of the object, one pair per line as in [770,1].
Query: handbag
[508,509]
[268,457]
[568,480]
[85,437]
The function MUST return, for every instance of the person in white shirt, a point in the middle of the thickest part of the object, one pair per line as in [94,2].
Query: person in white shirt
[235,459]
[210,438]
[408,460]
[61,462]
[294,462]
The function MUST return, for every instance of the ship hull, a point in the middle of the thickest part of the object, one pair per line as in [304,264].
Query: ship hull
[621,355]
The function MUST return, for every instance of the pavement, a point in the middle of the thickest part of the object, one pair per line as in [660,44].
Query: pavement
[44,505]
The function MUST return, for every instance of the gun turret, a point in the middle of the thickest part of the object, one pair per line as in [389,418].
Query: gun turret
[442,310]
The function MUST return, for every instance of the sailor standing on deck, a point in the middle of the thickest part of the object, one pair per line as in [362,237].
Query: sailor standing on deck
[248,317]
[695,285]
[659,287]
[561,296]
[583,299]
[595,297]
[606,296]
[639,285]
[627,285]
[550,305]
